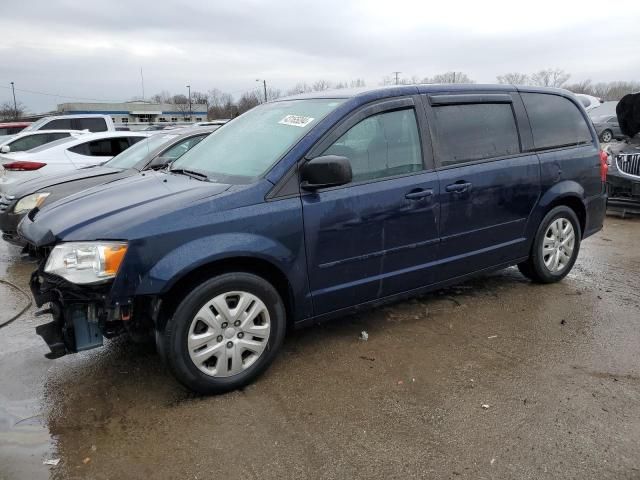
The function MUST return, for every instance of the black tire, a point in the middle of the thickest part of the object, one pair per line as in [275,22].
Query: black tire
[174,338]
[606,134]
[534,267]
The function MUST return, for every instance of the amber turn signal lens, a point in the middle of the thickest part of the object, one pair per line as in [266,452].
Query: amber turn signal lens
[113,256]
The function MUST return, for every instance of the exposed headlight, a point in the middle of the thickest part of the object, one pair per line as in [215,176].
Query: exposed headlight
[86,262]
[30,202]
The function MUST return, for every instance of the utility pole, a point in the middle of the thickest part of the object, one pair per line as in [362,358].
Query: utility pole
[142,82]
[15,105]
[396,74]
[264,84]
[189,87]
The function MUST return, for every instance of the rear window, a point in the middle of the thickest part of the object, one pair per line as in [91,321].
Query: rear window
[473,132]
[555,121]
[92,124]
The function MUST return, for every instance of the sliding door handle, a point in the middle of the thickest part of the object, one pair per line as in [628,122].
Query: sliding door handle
[458,187]
[418,194]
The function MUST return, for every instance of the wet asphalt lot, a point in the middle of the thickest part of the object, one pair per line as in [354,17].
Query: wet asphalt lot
[557,366]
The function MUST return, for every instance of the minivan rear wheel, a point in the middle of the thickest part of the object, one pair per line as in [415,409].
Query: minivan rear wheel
[555,247]
[225,333]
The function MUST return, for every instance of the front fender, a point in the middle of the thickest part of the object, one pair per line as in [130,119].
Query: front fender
[189,256]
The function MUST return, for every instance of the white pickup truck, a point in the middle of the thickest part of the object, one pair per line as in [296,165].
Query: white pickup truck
[91,122]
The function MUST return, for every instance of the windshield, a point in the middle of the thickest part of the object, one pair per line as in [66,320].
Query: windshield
[249,145]
[132,155]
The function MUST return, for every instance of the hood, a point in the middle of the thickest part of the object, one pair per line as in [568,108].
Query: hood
[70,182]
[113,210]
[628,112]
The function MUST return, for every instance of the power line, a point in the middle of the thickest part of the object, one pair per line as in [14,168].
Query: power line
[396,74]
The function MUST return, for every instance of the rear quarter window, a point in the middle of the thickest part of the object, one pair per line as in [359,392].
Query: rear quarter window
[555,121]
[474,132]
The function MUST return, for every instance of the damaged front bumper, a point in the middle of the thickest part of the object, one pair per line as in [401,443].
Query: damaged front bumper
[81,315]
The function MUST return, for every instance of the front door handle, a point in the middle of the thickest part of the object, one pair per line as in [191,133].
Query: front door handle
[458,187]
[418,194]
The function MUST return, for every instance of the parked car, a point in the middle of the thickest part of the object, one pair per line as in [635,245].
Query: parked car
[607,128]
[64,155]
[85,121]
[154,152]
[316,206]
[589,102]
[29,140]
[623,179]
[11,128]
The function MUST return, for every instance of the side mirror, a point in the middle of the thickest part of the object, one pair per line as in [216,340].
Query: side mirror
[159,162]
[5,149]
[325,171]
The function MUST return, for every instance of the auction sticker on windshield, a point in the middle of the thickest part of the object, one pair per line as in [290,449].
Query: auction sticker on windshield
[296,120]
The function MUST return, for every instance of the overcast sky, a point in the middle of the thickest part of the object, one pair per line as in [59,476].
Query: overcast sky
[95,49]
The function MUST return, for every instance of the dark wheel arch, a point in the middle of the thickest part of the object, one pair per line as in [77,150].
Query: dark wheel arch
[257,266]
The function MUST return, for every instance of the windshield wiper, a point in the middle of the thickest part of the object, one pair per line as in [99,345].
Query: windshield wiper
[189,173]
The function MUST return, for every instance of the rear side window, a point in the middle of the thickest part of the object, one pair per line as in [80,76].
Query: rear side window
[107,147]
[58,124]
[555,121]
[381,146]
[91,124]
[478,131]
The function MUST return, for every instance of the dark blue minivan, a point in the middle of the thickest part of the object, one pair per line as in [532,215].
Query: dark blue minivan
[312,207]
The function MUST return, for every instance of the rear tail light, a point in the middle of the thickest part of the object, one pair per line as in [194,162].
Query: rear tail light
[604,165]
[23,166]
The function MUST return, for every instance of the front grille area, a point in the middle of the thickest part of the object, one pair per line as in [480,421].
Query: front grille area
[629,164]
[5,202]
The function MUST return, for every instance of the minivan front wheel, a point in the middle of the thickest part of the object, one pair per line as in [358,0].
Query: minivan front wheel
[555,247]
[225,333]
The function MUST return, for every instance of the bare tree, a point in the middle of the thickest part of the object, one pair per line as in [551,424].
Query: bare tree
[449,77]
[550,77]
[300,87]
[321,85]
[615,90]
[199,98]
[513,78]
[163,97]
[357,83]
[581,87]
[247,101]
[9,112]
[221,104]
